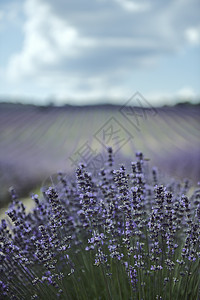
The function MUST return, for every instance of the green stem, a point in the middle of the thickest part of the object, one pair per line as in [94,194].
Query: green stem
[106,283]
[120,293]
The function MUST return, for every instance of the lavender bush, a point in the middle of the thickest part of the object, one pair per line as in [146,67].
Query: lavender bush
[119,235]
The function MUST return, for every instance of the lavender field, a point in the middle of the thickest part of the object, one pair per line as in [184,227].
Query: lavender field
[112,235]
[107,221]
[36,142]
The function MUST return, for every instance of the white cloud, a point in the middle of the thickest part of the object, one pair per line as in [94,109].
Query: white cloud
[186,93]
[48,40]
[193,35]
[133,6]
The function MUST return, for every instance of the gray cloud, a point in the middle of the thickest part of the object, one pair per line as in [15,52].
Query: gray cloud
[108,18]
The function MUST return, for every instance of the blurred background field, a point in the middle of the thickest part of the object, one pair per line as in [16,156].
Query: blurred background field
[36,141]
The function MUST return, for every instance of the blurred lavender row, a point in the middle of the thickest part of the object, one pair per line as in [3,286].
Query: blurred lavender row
[36,142]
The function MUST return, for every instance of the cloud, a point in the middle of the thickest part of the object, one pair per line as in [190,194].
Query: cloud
[186,93]
[193,35]
[133,6]
[87,48]
[47,40]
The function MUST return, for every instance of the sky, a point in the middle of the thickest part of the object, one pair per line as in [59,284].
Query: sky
[84,51]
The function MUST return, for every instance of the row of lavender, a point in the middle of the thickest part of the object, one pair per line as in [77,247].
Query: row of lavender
[118,235]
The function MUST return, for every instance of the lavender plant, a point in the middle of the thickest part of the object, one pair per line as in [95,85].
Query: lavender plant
[119,235]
